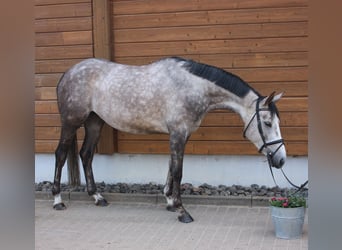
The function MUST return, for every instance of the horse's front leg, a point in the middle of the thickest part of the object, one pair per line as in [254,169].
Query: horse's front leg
[172,188]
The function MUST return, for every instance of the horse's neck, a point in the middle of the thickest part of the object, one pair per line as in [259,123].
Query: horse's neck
[240,105]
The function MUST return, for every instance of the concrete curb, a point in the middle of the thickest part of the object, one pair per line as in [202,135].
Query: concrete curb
[249,201]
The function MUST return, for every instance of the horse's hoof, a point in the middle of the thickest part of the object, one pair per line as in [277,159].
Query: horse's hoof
[59,206]
[185,218]
[101,203]
[171,208]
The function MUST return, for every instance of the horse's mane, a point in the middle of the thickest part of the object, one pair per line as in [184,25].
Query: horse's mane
[224,79]
[220,77]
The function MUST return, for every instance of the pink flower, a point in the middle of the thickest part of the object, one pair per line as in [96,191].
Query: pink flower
[285,204]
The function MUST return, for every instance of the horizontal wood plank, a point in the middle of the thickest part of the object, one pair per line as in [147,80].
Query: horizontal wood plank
[53,133]
[45,93]
[63,10]
[213,32]
[293,104]
[290,89]
[53,2]
[49,146]
[46,80]
[246,60]
[46,107]
[64,52]
[155,6]
[46,67]
[217,17]
[211,47]
[286,74]
[47,120]
[63,24]
[64,38]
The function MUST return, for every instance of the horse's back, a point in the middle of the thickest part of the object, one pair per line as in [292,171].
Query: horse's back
[134,98]
[137,99]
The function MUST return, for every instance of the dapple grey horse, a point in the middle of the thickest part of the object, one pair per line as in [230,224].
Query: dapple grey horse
[170,96]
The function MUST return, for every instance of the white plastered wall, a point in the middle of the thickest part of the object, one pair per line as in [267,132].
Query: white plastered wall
[197,169]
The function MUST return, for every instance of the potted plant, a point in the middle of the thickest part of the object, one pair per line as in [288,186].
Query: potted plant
[288,216]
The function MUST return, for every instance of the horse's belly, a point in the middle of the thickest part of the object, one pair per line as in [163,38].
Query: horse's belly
[126,123]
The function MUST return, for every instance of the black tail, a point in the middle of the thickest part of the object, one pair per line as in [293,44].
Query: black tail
[73,164]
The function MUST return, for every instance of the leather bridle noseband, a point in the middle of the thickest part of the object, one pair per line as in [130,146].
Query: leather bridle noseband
[265,145]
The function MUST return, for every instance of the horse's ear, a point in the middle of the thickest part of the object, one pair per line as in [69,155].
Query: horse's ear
[272,98]
[277,97]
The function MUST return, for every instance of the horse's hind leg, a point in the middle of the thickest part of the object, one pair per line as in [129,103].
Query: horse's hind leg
[68,137]
[93,126]
[174,178]
[168,190]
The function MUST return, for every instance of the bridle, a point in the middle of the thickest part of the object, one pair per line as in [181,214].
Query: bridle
[265,145]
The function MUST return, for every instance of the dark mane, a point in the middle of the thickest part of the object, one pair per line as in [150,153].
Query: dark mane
[219,76]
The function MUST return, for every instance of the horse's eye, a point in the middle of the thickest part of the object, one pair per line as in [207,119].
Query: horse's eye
[268,124]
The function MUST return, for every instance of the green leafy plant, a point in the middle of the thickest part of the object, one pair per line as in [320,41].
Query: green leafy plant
[288,202]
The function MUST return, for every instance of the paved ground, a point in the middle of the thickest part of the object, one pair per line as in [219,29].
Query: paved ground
[149,226]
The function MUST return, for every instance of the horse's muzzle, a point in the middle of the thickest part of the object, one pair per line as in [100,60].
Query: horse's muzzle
[276,162]
[280,163]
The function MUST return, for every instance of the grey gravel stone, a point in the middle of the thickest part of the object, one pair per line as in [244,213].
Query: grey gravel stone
[186,189]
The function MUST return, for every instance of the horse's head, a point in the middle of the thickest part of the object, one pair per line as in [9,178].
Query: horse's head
[262,129]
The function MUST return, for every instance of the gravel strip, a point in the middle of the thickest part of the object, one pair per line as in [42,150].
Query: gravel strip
[187,189]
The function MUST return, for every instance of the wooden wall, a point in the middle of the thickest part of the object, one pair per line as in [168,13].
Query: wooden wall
[264,42]
[63,37]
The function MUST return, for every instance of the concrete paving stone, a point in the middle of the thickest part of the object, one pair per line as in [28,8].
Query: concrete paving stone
[129,225]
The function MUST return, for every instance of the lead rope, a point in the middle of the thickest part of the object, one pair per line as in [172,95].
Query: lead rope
[299,188]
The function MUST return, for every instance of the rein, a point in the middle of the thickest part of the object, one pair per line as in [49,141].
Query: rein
[265,145]
[299,188]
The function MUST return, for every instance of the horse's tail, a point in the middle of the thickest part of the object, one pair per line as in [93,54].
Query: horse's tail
[73,164]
